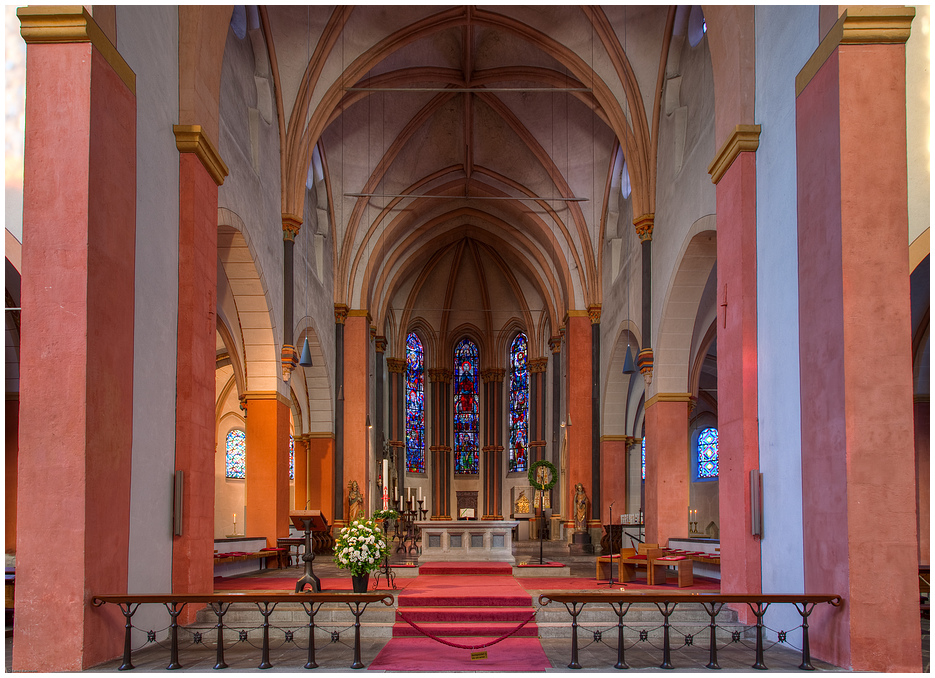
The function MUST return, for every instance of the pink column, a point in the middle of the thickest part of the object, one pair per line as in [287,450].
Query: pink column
[666,488]
[356,399]
[267,467]
[578,342]
[614,479]
[76,379]
[738,438]
[858,461]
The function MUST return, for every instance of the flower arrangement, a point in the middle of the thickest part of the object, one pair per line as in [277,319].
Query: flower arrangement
[386,514]
[360,547]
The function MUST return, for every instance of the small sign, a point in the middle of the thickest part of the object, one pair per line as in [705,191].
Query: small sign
[479,655]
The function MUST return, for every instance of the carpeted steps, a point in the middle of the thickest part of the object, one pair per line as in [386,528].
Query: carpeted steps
[470,599]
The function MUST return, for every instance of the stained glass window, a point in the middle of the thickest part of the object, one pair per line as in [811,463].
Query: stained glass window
[466,408]
[644,458]
[415,405]
[707,453]
[519,405]
[236,458]
[291,458]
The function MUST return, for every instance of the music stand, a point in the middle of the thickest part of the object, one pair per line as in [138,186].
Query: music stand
[308,521]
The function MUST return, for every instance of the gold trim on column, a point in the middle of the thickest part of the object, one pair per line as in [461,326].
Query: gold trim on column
[744,138]
[360,313]
[340,313]
[594,313]
[192,139]
[68,24]
[859,26]
[396,365]
[669,398]
[321,434]
[538,364]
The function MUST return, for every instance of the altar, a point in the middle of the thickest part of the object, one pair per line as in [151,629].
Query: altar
[467,540]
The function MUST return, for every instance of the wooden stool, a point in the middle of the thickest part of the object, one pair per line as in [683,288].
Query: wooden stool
[657,570]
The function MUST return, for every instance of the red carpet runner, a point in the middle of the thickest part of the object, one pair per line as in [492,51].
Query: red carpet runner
[467,605]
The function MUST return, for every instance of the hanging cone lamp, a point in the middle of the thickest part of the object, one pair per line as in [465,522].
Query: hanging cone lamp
[306,359]
[628,366]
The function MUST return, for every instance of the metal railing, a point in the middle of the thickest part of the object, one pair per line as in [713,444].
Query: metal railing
[666,603]
[220,604]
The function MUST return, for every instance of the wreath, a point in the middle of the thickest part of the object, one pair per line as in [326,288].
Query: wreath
[553,475]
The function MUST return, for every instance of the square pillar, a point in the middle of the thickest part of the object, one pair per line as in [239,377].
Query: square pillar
[667,477]
[356,403]
[858,458]
[267,482]
[79,238]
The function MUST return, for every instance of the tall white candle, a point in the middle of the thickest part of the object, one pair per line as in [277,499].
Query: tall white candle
[386,478]
[420,493]
[408,495]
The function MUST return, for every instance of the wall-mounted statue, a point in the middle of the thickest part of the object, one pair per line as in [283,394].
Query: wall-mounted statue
[581,509]
[355,502]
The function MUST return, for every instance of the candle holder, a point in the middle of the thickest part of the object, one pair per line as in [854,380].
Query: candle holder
[398,534]
[412,535]
[422,512]
[385,569]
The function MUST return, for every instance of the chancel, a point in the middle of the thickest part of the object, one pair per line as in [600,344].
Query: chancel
[602,299]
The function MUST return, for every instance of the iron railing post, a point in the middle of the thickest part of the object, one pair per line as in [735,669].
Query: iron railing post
[759,611]
[174,611]
[712,649]
[666,647]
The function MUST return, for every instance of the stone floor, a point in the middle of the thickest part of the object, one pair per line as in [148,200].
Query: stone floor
[593,656]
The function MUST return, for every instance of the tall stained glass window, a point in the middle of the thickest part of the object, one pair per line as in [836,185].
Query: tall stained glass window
[707,453]
[643,462]
[466,408]
[415,405]
[291,457]
[236,458]
[519,405]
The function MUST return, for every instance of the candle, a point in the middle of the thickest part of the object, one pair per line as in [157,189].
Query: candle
[396,492]
[235,517]
[408,495]
[420,493]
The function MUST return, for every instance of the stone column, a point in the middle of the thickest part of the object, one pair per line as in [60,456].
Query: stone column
[76,360]
[922,420]
[356,458]
[289,357]
[667,481]
[597,508]
[537,400]
[441,470]
[555,345]
[734,172]
[337,474]
[854,310]
[492,450]
[397,417]
[578,423]
[267,468]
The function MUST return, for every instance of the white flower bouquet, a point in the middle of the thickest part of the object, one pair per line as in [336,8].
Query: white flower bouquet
[360,547]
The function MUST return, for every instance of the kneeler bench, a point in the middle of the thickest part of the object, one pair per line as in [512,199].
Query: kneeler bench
[240,556]
[656,572]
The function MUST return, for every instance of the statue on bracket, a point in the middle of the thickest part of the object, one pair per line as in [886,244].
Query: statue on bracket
[355,502]
[581,509]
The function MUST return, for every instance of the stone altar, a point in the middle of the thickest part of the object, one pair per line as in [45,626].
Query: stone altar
[467,540]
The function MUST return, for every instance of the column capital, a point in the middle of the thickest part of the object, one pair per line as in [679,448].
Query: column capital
[644,363]
[192,139]
[68,24]
[380,343]
[669,398]
[555,343]
[538,364]
[440,375]
[373,331]
[289,359]
[594,313]
[340,313]
[492,374]
[744,139]
[291,225]
[396,365]
[644,226]
[250,396]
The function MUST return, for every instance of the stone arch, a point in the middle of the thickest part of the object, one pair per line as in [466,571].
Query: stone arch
[314,382]
[697,257]
[621,391]
[251,301]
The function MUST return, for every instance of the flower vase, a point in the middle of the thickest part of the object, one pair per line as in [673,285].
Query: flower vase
[361,582]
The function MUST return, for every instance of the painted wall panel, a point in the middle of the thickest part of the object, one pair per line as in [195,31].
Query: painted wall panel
[781,52]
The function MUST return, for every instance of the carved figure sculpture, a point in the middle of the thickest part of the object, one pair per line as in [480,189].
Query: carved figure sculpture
[355,502]
[581,509]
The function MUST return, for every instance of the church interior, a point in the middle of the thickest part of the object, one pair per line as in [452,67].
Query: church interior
[345,258]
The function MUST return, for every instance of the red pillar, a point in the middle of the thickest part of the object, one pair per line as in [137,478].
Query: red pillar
[267,490]
[858,460]
[200,174]
[301,471]
[666,488]
[614,481]
[356,402]
[76,360]
[321,474]
[734,172]
[578,338]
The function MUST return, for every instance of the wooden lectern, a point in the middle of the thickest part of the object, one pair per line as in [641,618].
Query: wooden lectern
[308,521]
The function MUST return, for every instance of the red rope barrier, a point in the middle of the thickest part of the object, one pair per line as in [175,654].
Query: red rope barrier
[463,647]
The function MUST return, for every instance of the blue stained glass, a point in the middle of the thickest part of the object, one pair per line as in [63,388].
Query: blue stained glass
[236,457]
[467,458]
[707,453]
[519,405]
[291,458]
[644,458]
[415,405]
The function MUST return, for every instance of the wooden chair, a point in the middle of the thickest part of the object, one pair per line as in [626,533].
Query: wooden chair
[641,557]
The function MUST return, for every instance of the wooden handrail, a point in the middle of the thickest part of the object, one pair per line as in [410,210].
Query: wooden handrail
[233,597]
[624,597]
